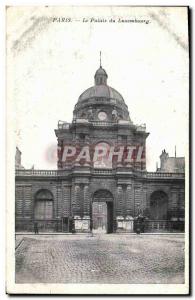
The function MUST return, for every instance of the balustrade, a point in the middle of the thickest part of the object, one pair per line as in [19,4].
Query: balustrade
[59,173]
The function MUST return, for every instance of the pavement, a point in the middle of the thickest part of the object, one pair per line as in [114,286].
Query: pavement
[101,258]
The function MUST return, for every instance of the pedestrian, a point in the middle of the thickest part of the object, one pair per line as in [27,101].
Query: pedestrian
[91,227]
[72,225]
[36,229]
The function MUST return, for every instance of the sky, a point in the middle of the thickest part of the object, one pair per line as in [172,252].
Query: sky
[50,63]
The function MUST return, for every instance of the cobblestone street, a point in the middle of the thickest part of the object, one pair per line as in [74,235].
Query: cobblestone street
[100,259]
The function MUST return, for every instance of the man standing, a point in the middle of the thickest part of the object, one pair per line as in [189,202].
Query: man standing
[36,229]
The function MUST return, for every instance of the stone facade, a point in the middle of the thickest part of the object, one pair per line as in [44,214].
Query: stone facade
[62,199]
[171,164]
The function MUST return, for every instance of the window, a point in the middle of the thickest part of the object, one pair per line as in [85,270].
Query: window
[101,156]
[100,208]
[43,210]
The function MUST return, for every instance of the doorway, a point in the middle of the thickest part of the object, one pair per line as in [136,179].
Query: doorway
[99,214]
[44,211]
[158,206]
[102,212]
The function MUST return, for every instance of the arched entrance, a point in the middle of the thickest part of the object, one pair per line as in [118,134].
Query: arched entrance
[158,205]
[43,210]
[102,211]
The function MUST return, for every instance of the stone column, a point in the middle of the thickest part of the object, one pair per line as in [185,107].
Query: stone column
[66,201]
[144,200]
[119,204]
[59,203]
[75,200]
[129,201]
[86,200]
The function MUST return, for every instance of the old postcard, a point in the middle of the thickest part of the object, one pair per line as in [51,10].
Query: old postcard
[98,150]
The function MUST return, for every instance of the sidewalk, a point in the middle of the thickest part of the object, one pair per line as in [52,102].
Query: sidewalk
[94,233]
[50,233]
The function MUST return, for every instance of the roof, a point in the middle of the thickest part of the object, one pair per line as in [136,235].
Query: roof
[174,164]
[101,71]
[102,91]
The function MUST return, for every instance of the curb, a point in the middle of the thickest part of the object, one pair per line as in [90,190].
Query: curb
[111,234]
[16,247]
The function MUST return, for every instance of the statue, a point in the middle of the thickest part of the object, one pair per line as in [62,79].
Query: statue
[114,115]
[90,114]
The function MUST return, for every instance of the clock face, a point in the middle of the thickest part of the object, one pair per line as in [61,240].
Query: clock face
[102,116]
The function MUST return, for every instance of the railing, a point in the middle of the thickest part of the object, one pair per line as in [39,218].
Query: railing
[163,226]
[151,175]
[61,225]
[63,125]
[36,172]
[52,173]
[164,175]
[53,225]
[141,127]
[94,123]
[59,173]
[103,172]
[103,123]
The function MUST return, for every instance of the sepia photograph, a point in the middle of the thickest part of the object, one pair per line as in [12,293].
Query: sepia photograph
[98,150]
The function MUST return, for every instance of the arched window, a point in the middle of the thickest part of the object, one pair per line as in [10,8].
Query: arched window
[158,206]
[43,209]
[101,156]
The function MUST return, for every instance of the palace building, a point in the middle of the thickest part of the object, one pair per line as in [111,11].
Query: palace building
[101,181]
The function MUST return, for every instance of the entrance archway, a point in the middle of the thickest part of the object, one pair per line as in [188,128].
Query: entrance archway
[158,206]
[44,210]
[102,211]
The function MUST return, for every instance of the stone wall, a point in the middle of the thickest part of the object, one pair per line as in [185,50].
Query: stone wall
[73,197]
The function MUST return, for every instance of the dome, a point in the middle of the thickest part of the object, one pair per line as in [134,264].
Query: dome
[101,99]
[101,91]
[101,71]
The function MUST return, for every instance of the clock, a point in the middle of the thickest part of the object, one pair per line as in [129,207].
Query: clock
[102,116]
